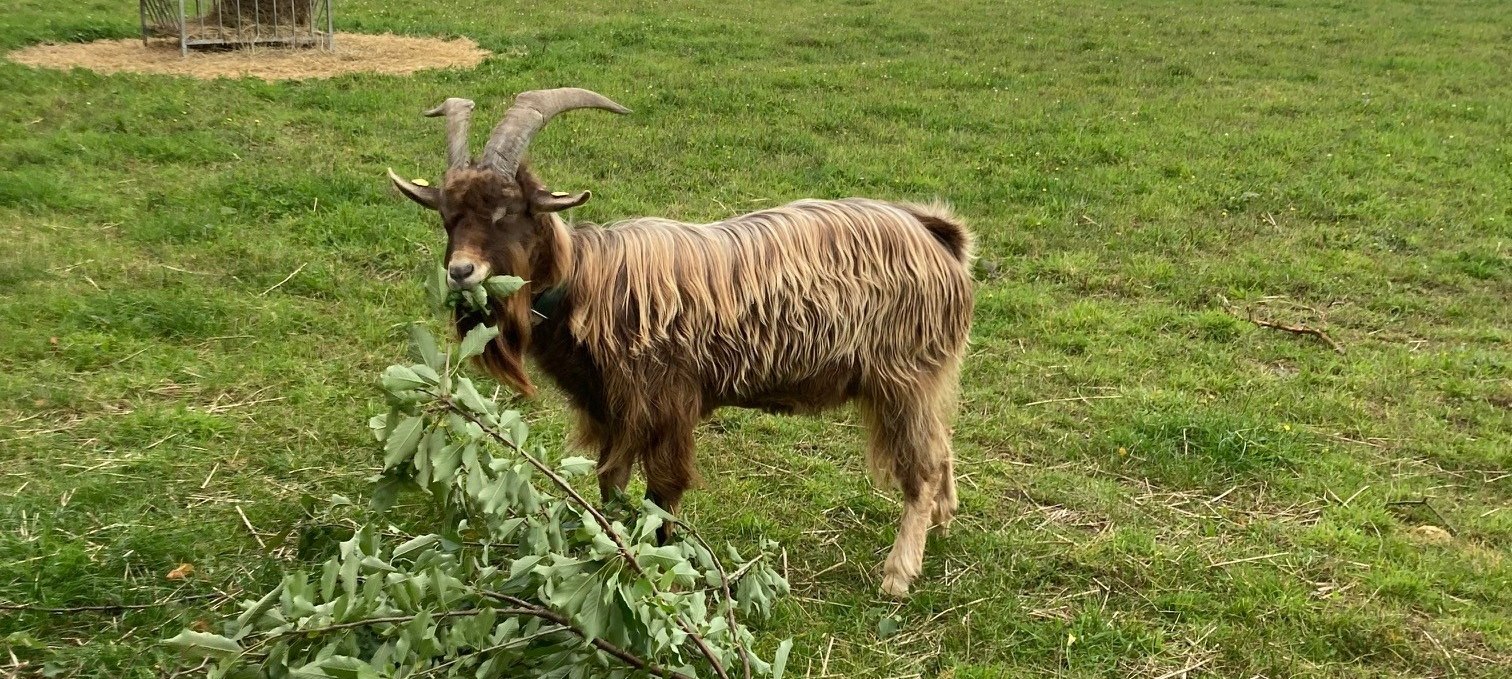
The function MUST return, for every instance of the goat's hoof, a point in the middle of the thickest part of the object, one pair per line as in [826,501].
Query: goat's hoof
[895,585]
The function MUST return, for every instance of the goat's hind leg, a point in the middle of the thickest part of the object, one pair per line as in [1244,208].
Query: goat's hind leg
[946,501]
[908,440]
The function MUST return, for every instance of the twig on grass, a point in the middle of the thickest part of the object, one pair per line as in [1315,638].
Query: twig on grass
[1182,672]
[1298,329]
[285,280]
[248,523]
[1073,398]
[1248,559]
[1423,502]
[102,608]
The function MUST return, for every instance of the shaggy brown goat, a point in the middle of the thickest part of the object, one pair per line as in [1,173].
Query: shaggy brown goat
[649,325]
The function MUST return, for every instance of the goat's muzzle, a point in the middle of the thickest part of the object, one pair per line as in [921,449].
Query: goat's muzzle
[464,272]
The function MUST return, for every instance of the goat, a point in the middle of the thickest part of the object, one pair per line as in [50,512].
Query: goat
[648,325]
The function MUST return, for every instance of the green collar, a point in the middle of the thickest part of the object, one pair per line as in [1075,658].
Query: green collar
[546,303]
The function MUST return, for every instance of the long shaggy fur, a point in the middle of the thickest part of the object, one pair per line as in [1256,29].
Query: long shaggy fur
[775,296]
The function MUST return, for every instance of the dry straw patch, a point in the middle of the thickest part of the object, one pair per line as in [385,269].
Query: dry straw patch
[353,53]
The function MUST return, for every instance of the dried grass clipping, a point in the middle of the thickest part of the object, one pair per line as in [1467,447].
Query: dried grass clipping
[353,53]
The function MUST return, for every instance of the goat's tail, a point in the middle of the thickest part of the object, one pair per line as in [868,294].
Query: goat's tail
[946,227]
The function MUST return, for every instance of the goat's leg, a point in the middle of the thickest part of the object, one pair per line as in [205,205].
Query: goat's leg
[946,502]
[614,467]
[909,443]
[941,393]
[669,467]
[906,560]
[615,460]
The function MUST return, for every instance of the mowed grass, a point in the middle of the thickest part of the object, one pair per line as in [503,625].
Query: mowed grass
[202,279]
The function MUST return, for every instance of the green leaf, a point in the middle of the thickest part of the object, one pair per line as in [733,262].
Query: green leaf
[503,286]
[524,564]
[386,493]
[888,626]
[328,574]
[470,397]
[416,544]
[579,598]
[427,375]
[476,341]
[779,661]
[380,426]
[337,667]
[402,442]
[399,378]
[424,345]
[575,466]
[444,462]
[204,644]
[248,619]
[436,288]
[378,564]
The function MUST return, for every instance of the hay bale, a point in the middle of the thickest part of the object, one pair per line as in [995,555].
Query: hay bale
[260,14]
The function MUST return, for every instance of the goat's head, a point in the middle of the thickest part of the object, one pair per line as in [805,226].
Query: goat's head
[499,217]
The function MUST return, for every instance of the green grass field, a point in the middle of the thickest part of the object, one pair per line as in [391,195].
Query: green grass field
[1150,482]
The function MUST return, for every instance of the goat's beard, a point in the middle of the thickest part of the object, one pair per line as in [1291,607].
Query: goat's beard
[504,357]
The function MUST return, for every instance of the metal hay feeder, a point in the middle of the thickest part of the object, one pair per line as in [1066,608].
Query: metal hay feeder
[238,23]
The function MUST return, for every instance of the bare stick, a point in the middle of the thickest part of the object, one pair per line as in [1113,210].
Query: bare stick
[101,608]
[1073,398]
[1248,559]
[250,529]
[1184,670]
[285,280]
[1424,503]
[1299,330]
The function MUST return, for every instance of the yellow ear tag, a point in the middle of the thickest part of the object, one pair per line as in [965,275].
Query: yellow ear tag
[420,182]
[558,194]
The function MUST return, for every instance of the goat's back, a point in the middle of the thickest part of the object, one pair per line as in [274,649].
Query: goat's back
[810,290]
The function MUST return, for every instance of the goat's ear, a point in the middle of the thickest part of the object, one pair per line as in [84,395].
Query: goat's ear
[428,196]
[556,201]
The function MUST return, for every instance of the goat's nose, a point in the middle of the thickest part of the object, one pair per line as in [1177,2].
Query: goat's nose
[460,272]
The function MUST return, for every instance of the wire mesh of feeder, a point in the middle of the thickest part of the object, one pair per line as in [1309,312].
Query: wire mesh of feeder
[237,23]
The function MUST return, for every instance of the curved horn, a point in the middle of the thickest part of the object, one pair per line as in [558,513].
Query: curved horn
[530,112]
[458,113]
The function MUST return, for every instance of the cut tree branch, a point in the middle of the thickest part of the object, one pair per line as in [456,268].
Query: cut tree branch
[598,517]
[524,607]
[724,583]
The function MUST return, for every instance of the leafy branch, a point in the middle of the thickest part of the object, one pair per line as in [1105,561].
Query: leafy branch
[498,574]
[624,550]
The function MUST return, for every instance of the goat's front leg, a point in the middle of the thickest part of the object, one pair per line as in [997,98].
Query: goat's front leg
[614,466]
[669,472]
